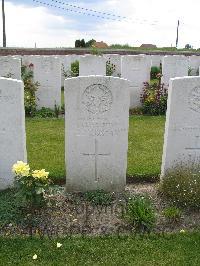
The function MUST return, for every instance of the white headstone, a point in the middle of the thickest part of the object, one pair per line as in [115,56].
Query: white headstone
[47,71]
[10,67]
[182,128]
[114,61]
[12,129]
[136,68]
[194,64]
[156,60]
[174,66]
[96,133]
[92,65]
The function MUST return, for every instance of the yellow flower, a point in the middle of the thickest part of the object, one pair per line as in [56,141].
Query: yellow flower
[59,245]
[21,169]
[182,231]
[35,257]
[40,174]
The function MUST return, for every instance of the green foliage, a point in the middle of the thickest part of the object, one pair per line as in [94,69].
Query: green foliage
[99,197]
[45,113]
[154,99]
[30,89]
[9,207]
[75,69]
[73,72]
[181,185]
[140,213]
[95,51]
[188,46]
[31,185]
[172,214]
[82,43]
[90,43]
[110,68]
[77,43]
[155,71]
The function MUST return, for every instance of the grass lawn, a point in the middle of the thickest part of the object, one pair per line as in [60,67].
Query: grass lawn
[45,145]
[172,249]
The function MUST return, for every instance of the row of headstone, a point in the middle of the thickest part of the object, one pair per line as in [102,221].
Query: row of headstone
[96,130]
[47,71]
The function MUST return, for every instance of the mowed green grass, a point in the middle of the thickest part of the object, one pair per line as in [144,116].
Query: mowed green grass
[171,249]
[45,145]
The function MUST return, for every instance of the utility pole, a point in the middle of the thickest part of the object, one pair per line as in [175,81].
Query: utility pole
[177,34]
[4,24]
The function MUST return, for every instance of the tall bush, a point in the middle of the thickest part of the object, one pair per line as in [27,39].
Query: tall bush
[30,88]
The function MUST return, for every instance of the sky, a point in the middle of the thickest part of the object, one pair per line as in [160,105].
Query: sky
[132,22]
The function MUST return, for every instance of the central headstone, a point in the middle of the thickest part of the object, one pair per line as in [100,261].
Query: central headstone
[96,133]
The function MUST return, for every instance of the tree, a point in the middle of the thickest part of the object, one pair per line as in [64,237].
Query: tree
[188,46]
[90,43]
[77,43]
[4,24]
[82,44]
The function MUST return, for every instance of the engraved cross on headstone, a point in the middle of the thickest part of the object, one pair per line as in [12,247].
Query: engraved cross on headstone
[96,154]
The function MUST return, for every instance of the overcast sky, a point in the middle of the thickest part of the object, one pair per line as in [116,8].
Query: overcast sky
[146,21]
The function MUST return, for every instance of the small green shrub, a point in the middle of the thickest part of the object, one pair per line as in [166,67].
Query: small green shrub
[181,185]
[30,89]
[75,69]
[95,51]
[172,214]
[140,213]
[155,71]
[73,72]
[45,113]
[99,197]
[110,68]
[154,99]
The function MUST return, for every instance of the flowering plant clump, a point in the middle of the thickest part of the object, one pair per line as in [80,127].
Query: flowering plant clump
[30,88]
[154,99]
[181,185]
[110,68]
[32,185]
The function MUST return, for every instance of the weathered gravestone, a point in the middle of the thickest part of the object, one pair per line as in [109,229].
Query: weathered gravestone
[96,133]
[92,65]
[47,71]
[10,67]
[136,68]
[182,128]
[12,128]
[174,66]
